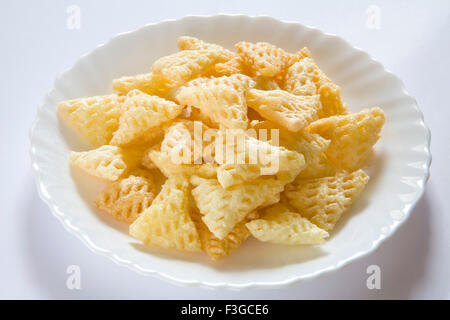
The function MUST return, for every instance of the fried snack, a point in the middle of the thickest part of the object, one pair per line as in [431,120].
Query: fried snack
[180,67]
[149,83]
[184,142]
[220,99]
[230,67]
[324,200]
[167,222]
[95,118]
[287,110]
[143,113]
[311,145]
[296,57]
[107,162]
[191,43]
[263,58]
[197,119]
[264,83]
[282,226]
[304,78]
[163,162]
[218,249]
[252,158]
[352,136]
[125,199]
[318,167]
[223,208]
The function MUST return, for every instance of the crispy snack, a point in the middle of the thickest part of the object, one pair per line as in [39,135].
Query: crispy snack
[149,83]
[220,99]
[265,83]
[196,115]
[352,136]
[252,158]
[181,152]
[312,146]
[180,67]
[218,249]
[163,162]
[223,208]
[263,58]
[185,142]
[324,200]
[167,222]
[301,78]
[95,118]
[142,114]
[288,110]
[282,226]
[125,199]
[107,162]
[233,66]
[318,167]
[191,43]
[305,78]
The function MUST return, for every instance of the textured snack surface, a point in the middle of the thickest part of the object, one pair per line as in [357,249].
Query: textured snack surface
[220,99]
[167,222]
[106,162]
[185,65]
[95,118]
[304,78]
[324,200]
[223,208]
[282,226]
[149,83]
[288,110]
[252,158]
[143,113]
[263,58]
[125,199]
[218,249]
[352,136]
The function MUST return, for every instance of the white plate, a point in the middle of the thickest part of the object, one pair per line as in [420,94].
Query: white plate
[399,167]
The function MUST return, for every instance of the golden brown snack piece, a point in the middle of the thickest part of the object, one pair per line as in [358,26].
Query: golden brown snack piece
[167,222]
[220,99]
[324,200]
[352,136]
[304,78]
[95,118]
[149,83]
[233,66]
[252,158]
[192,43]
[223,208]
[263,58]
[142,114]
[285,109]
[163,162]
[180,67]
[107,162]
[125,199]
[283,226]
[218,249]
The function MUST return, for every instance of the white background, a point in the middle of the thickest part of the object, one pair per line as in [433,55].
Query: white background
[36,45]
